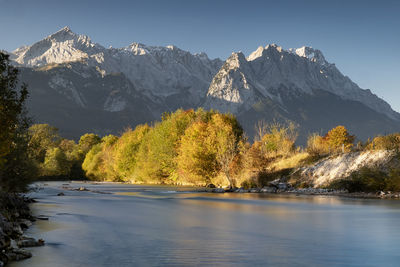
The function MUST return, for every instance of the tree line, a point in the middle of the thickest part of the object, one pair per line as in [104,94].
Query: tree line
[195,147]
[189,147]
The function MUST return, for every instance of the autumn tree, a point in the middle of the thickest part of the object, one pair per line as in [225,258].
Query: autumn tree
[209,146]
[227,134]
[339,139]
[99,161]
[126,149]
[158,150]
[197,155]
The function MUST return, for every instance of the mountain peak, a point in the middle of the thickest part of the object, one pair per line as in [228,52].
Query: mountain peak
[62,34]
[59,47]
[270,48]
[256,54]
[66,29]
[312,54]
[236,59]
[274,47]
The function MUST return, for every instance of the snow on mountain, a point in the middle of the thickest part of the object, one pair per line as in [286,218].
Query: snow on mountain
[268,69]
[69,75]
[153,70]
[60,47]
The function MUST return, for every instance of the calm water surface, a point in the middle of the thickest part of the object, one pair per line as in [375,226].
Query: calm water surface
[166,226]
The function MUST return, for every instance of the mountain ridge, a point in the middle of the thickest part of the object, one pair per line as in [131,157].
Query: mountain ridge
[146,81]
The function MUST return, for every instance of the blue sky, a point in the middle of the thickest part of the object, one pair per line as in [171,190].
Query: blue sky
[361,37]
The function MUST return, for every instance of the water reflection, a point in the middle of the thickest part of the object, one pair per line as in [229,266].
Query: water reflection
[159,225]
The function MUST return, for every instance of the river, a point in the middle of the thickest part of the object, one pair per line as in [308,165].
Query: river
[137,225]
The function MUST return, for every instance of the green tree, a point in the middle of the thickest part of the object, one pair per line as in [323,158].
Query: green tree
[99,161]
[126,149]
[158,151]
[75,157]
[87,141]
[16,169]
[56,163]
[92,163]
[42,138]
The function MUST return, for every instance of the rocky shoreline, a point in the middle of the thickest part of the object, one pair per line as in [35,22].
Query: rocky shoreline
[277,187]
[15,217]
[274,187]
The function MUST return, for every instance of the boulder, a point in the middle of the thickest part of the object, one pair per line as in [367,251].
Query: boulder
[211,186]
[254,190]
[17,230]
[42,217]
[282,186]
[29,242]
[274,183]
[218,190]
[268,189]
[60,194]
[241,190]
[18,254]
[25,224]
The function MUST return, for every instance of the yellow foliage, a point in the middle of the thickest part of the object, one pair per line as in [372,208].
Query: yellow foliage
[293,161]
[339,139]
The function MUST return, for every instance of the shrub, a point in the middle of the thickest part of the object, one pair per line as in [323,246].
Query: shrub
[279,139]
[370,180]
[387,142]
[335,141]
[317,146]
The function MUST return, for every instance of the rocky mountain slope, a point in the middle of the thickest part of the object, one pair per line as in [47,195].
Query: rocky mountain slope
[297,85]
[157,72]
[80,86]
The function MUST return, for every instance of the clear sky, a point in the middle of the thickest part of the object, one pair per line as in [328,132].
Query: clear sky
[361,37]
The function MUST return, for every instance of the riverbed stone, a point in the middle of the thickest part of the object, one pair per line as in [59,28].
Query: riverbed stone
[25,224]
[268,189]
[29,242]
[241,190]
[254,190]
[218,190]
[282,186]
[18,254]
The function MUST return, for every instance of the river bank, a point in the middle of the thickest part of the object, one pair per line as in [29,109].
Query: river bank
[312,191]
[15,218]
[276,187]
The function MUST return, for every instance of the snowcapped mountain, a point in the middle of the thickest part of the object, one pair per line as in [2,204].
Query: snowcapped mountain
[242,82]
[157,72]
[80,86]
